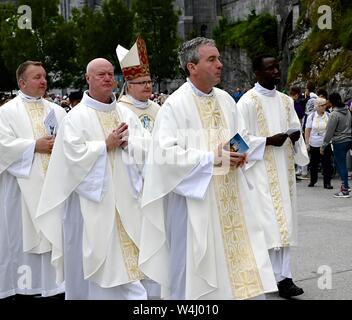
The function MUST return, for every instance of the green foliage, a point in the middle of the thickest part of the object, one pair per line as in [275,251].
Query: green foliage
[342,62]
[7,79]
[300,64]
[220,33]
[99,32]
[156,21]
[63,55]
[44,12]
[345,31]
[18,45]
[257,35]
[304,4]
[335,6]
[339,36]
[89,33]
[65,47]
[117,28]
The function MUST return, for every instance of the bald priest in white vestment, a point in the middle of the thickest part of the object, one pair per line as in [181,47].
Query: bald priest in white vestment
[270,115]
[90,211]
[138,86]
[27,133]
[212,246]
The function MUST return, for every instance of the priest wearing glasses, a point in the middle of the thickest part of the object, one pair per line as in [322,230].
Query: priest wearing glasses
[138,87]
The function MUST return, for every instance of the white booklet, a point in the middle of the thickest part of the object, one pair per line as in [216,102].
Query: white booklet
[290,131]
[51,123]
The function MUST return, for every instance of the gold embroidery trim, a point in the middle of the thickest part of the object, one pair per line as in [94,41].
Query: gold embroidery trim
[272,174]
[36,115]
[289,150]
[129,250]
[241,263]
[110,121]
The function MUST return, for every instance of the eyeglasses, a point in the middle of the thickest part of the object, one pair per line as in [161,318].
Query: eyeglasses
[143,83]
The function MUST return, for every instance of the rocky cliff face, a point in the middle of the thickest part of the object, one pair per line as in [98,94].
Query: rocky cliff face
[237,66]
[338,83]
[237,70]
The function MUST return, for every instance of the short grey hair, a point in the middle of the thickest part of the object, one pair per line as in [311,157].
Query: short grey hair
[189,51]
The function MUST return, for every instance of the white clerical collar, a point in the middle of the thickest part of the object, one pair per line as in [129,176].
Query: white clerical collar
[199,93]
[29,98]
[137,103]
[97,105]
[264,91]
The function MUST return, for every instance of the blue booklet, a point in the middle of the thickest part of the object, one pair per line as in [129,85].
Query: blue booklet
[237,144]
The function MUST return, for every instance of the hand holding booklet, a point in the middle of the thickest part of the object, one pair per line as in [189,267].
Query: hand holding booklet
[292,131]
[237,144]
[50,123]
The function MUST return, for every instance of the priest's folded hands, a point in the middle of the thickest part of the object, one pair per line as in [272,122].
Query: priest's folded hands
[223,157]
[118,138]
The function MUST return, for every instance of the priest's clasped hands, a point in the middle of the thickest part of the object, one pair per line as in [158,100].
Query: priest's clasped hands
[223,157]
[118,138]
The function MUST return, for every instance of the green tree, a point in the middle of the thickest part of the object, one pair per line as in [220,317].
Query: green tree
[89,24]
[156,21]
[99,32]
[42,45]
[63,55]
[118,21]
[257,34]
[7,20]
[45,41]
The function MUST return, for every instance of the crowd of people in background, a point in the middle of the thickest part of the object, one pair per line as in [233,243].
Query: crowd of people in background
[314,108]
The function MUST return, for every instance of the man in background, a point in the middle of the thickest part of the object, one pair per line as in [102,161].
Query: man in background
[139,85]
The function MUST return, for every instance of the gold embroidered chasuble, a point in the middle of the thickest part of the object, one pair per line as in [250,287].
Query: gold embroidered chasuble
[110,121]
[241,263]
[37,115]
[23,122]
[271,167]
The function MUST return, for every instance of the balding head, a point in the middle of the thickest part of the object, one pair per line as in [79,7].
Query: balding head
[100,79]
[96,63]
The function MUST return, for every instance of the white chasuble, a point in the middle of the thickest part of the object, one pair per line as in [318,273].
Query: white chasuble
[111,223]
[22,173]
[146,112]
[274,177]
[241,264]
[226,252]
[110,121]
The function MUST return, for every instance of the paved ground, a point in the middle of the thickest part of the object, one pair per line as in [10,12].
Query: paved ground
[325,239]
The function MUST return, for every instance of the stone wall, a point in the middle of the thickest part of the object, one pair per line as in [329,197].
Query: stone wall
[240,9]
[286,13]
[198,18]
[237,70]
